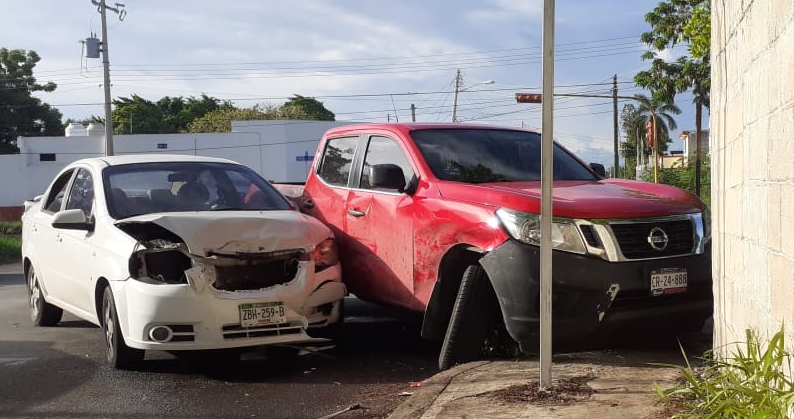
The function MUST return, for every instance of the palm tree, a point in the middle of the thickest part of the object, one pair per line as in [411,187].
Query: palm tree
[664,120]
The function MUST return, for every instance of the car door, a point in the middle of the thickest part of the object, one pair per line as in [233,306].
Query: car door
[378,260]
[73,247]
[43,251]
[328,190]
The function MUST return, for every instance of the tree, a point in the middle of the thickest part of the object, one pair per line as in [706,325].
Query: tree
[22,114]
[632,124]
[674,22]
[306,108]
[136,115]
[664,120]
[220,120]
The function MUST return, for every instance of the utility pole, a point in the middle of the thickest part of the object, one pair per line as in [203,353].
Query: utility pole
[455,98]
[615,123]
[119,10]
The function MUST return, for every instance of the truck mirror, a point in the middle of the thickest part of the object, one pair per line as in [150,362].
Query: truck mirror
[599,169]
[388,176]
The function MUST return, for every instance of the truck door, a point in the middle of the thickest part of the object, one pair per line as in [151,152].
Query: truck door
[378,258]
[328,188]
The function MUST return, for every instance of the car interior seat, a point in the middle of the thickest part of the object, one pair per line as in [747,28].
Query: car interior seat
[192,196]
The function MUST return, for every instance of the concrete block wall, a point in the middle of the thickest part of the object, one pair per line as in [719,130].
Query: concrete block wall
[752,152]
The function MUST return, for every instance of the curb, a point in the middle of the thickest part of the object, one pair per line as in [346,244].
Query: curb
[423,398]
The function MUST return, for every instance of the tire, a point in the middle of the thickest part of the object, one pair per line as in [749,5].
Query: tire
[118,354]
[42,313]
[472,317]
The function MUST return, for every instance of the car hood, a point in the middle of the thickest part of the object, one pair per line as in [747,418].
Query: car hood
[231,232]
[610,198]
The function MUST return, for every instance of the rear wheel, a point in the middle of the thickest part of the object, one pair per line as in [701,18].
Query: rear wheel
[42,313]
[119,355]
[472,317]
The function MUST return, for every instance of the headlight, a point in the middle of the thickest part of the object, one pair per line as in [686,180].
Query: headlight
[525,227]
[324,255]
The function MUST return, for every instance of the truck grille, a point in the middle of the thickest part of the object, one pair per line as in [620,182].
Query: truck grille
[633,238]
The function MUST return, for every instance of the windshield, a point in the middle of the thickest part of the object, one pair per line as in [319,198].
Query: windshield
[492,155]
[145,188]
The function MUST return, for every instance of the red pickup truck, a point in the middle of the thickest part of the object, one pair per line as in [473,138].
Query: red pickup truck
[444,219]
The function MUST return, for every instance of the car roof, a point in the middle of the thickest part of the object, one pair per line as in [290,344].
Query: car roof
[147,158]
[411,126]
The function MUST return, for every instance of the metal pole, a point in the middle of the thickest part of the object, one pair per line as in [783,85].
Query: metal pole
[455,98]
[547,170]
[106,65]
[655,148]
[615,122]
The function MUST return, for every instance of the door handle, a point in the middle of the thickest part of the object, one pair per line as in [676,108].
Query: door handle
[307,204]
[356,213]
[58,238]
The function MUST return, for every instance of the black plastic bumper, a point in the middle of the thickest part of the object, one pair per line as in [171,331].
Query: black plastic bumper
[583,297]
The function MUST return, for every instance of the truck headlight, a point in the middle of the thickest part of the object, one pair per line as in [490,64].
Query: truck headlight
[525,227]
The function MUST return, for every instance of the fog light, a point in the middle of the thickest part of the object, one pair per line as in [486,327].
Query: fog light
[161,334]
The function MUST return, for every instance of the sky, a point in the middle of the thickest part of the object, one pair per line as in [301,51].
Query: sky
[367,61]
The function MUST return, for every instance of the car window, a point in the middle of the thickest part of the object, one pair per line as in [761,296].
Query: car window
[337,160]
[57,191]
[81,195]
[383,150]
[145,188]
[492,155]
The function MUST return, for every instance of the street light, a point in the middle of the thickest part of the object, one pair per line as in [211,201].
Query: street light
[458,89]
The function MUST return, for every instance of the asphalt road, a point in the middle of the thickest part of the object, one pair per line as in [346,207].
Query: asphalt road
[60,372]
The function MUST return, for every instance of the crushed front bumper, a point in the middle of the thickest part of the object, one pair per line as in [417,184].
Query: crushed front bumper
[590,294]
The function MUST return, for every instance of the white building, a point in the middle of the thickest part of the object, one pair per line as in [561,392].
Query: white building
[690,145]
[279,150]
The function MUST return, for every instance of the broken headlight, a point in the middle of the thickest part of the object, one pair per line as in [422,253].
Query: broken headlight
[525,227]
[324,255]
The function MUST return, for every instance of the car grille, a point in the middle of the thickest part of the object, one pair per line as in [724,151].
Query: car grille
[258,271]
[235,331]
[633,238]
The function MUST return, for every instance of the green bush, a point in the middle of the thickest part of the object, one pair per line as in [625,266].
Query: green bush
[684,178]
[752,383]
[10,241]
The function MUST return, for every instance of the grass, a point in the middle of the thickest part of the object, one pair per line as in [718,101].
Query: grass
[10,241]
[751,383]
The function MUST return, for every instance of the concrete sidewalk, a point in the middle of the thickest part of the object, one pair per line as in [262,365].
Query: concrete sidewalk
[620,389]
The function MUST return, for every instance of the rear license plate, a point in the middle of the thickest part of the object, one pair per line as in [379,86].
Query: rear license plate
[262,314]
[668,281]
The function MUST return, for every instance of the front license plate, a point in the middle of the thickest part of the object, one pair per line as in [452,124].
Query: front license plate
[262,314]
[668,281]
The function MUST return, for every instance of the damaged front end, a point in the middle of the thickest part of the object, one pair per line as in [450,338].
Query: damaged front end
[254,270]
[165,258]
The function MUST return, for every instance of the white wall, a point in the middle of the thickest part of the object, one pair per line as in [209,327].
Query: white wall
[283,141]
[752,151]
[268,147]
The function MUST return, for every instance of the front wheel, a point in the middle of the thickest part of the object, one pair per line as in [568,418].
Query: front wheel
[119,355]
[42,313]
[472,317]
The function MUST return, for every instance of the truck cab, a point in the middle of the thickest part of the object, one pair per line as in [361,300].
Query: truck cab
[444,219]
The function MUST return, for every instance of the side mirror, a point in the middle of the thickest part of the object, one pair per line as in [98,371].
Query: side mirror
[599,169]
[73,219]
[387,176]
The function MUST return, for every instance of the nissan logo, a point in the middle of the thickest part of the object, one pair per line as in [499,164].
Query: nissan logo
[657,238]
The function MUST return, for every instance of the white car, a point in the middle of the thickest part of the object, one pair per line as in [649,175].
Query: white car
[178,253]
